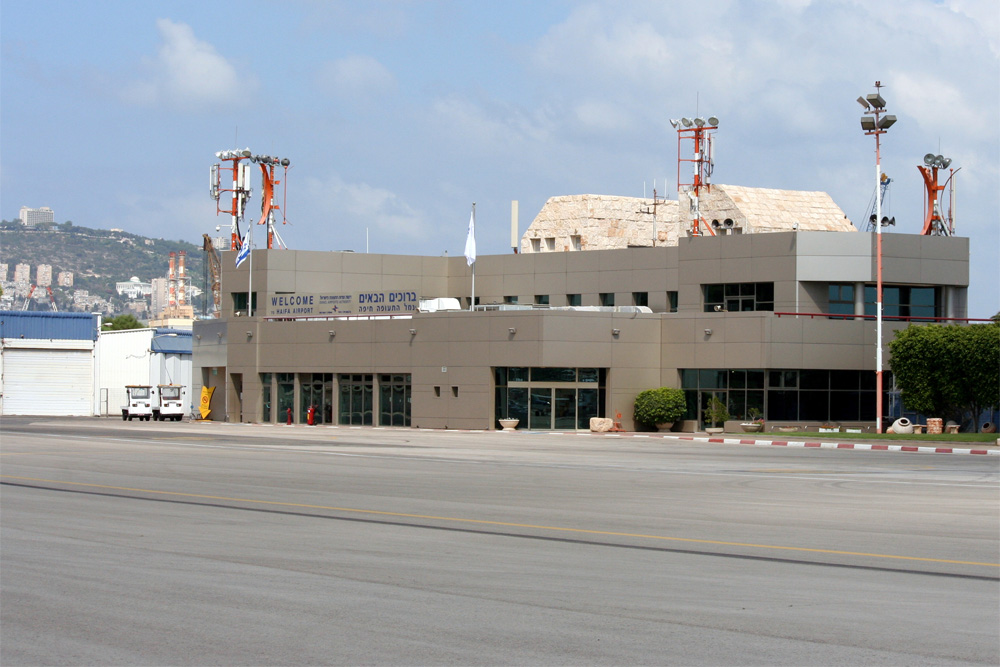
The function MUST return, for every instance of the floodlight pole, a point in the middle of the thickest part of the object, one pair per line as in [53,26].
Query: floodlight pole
[877,108]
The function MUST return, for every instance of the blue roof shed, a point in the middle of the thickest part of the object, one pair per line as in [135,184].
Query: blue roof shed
[48,325]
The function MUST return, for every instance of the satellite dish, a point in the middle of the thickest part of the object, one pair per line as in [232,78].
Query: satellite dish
[929,159]
[712,120]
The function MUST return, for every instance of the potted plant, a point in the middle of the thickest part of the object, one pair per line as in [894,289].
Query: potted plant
[716,413]
[755,424]
[660,407]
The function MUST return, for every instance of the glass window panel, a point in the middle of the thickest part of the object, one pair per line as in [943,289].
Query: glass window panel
[813,405]
[755,379]
[737,379]
[573,300]
[586,407]
[814,379]
[607,298]
[553,375]
[765,291]
[782,405]
[640,298]
[565,409]
[869,380]
[672,300]
[691,398]
[774,379]
[589,375]
[517,406]
[732,289]
[542,299]
[922,296]
[845,406]
[789,378]
[737,404]
[867,401]
[844,380]
[714,294]
[755,401]
[708,379]
[500,376]
[689,378]
[541,408]
[517,374]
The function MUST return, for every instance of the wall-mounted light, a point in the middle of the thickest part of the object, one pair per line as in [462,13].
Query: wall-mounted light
[616,332]
[413,332]
[708,332]
[218,334]
[332,333]
[512,331]
[249,335]
[198,336]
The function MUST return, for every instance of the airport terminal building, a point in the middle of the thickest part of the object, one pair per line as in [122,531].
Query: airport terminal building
[774,311]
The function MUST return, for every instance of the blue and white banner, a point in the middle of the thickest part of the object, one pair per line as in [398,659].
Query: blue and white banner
[244,250]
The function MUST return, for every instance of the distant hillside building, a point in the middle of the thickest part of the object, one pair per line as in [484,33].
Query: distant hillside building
[158,295]
[43,275]
[22,273]
[36,216]
[64,279]
[3,272]
[133,288]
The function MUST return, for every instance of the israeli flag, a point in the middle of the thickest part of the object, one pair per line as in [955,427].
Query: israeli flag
[244,250]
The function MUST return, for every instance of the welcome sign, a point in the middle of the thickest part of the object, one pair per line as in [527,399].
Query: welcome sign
[336,304]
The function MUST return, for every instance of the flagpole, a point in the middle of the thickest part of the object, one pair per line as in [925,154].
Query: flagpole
[249,240]
[472,298]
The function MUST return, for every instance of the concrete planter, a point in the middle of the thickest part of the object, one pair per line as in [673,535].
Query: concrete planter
[509,424]
[752,427]
[665,426]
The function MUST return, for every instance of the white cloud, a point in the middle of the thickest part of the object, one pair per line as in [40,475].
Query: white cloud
[357,206]
[187,73]
[358,78]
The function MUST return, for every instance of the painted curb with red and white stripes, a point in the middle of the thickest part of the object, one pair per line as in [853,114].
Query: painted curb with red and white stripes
[864,446]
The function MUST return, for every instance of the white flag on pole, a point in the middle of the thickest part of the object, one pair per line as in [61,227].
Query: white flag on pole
[244,252]
[470,242]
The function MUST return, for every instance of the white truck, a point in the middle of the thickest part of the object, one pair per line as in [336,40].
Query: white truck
[140,402]
[168,402]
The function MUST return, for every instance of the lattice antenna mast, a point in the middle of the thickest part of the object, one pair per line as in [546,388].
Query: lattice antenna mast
[700,132]
[234,172]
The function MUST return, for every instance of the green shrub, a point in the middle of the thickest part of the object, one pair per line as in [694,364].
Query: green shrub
[716,412]
[659,406]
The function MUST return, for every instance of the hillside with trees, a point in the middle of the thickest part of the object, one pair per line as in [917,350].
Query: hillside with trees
[98,258]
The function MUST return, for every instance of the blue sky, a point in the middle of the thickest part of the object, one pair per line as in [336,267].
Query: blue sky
[398,115]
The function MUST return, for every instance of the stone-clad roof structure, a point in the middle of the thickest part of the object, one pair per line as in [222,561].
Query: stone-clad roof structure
[601,222]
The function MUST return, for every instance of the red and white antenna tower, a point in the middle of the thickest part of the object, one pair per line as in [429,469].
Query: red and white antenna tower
[268,206]
[239,177]
[934,219]
[699,130]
